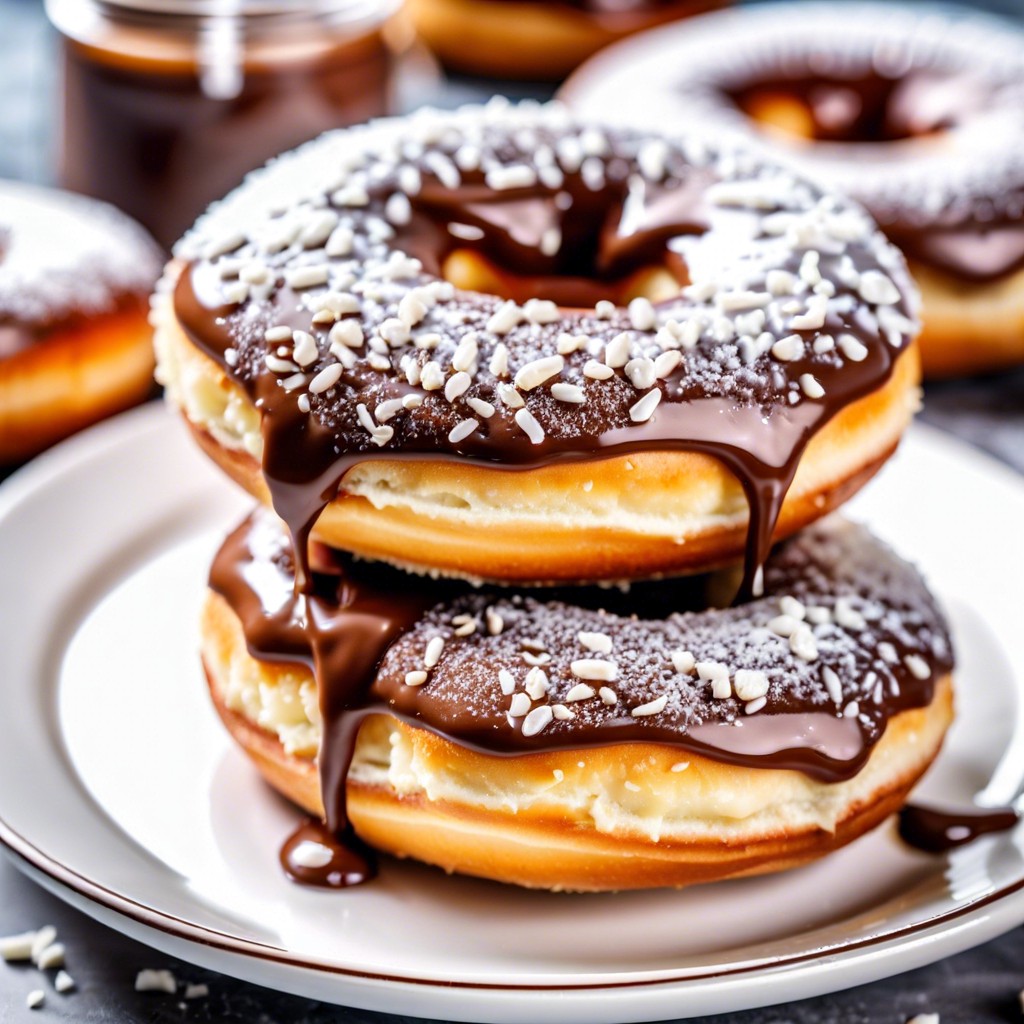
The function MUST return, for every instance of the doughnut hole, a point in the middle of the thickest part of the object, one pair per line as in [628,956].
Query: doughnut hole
[472,271]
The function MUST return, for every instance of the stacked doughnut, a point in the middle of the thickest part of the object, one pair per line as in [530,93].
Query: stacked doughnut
[525,403]
[75,342]
[919,115]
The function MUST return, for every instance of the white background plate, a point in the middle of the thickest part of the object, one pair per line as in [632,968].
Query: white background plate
[121,793]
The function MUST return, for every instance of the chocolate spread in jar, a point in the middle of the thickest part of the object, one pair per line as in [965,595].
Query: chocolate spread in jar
[166,111]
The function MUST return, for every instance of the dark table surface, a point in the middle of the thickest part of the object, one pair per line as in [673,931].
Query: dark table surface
[978,987]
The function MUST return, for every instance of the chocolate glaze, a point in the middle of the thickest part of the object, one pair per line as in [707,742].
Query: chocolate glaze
[147,134]
[362,628]
[981,242]
[351,862]
[612,219]
[935,831]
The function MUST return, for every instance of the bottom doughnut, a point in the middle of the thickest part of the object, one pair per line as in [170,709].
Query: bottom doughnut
[622,815]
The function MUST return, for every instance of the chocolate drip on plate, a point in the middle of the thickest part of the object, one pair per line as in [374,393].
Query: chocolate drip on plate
[935,831]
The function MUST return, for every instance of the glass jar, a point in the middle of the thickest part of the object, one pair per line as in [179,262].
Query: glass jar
[168,103]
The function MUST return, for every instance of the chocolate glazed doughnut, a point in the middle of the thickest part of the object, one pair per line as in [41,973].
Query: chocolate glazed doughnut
[324,360]
[75,342]
[540,39]
[919,116]
[651,745]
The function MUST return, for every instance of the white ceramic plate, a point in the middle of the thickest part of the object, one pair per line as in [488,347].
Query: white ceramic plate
[120,792]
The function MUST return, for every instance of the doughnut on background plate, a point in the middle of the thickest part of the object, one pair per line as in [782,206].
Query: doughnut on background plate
[75,341]
[180,850]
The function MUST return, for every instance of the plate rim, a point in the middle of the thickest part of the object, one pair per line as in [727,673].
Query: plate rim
[72,886]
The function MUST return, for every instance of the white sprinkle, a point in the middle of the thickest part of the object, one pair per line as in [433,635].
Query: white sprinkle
[510,397]
[780,282]
[457,385]
[888,652]
[278,334]
[63,982]
[651,159]
[528,424]
[814,317]
[398,209]
[683,661]
[519,705]
[792,607]
[536,659]
[17,947]
[847,616]
[223,245]
[680,766]
[433,652]
[541,311]
[467,232]
[236,293]
[155,981]
[736,302]
[755,705]
[818,614]
[571,393]
[642,411]
[581,691]
[608,696]
[35,999]
[480,407]
[387,409]
[641,373]
[537,720]
[506,681]
[652,707]
[507,316]
[718,675]
[595,669]
[749,684]
[43,938]
[597,371]
[310,854]
[308,276]
[809,271]
[563,714]
[394,331]
[52,956]
[788,348]
[919,668]
[878,289]
[411,310]
[630,785]
[465,353]
[604,310]
[599,642]
[783,625]
[832,685]
[499,360]
[852,710]
[350,195]
[803,644]
[347,333]
[536,683]
[666,363]
[326,379]
[514,176]
[194,991]
[411,402]
[409,179]
[318,229]
[550,242]
[305,352]
[642,315]
[924,1018]
[811,386]
[295,381]
[852,348]
[432,376]
[462,430]
[340,242]
[417,678]
[536,372]
[616,352]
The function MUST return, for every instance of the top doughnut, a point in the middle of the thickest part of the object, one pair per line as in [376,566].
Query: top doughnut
[311,321]
[917,114]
